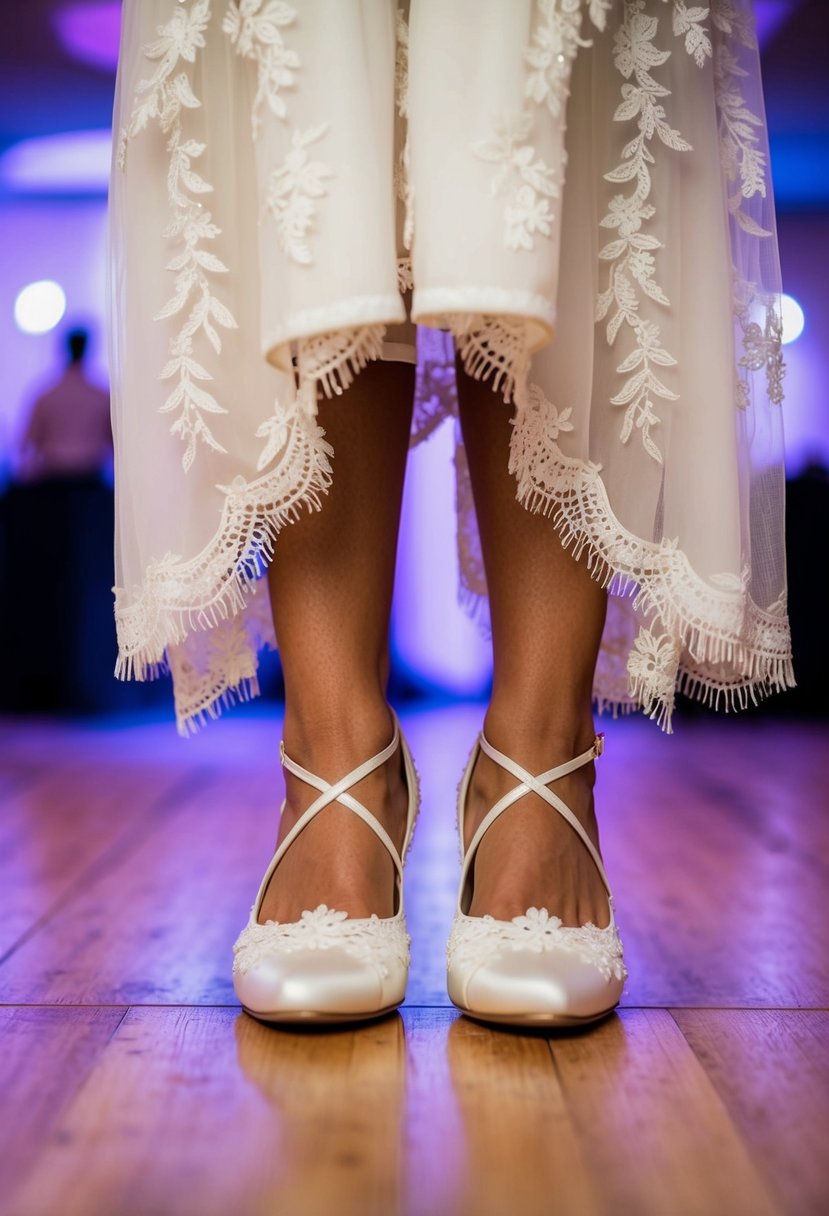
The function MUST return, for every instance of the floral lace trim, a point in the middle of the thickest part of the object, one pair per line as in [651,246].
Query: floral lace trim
[630,256]
[292,190]
[473,592]
[402,172]
[687,23]
[744,162]
[405,275]
[701,625]
[526,180]
[498,347]
[222,671]
[179,596]
[382,942]
[161,99]
[762,345]
[555,44]
[254,27]
[435,385]
[477,940]
[598,10]
[531,182]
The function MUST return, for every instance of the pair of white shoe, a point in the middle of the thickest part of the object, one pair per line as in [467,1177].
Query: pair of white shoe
[327,966]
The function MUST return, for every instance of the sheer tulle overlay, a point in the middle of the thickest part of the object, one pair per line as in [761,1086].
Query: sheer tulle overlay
[575,197]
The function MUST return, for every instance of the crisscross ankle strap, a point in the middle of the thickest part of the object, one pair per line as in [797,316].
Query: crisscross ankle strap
[536,785]
[338,792]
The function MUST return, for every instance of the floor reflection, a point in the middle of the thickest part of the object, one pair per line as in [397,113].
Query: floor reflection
[338,1096]
[521,1153]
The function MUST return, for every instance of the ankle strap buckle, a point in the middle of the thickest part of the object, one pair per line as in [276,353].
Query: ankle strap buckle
[598,744]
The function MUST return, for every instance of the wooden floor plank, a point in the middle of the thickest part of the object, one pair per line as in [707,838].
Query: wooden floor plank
[59,824]
[46,1056]
[206,1112]
[718,849]
[155,923]
[488,1127]
[771,1069]
[652,1127]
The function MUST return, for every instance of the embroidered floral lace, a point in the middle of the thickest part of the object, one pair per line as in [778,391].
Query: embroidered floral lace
[590,224]
[478,940]
[376,940]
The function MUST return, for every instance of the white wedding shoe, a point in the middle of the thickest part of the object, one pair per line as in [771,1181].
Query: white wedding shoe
[327,966]
[531,970]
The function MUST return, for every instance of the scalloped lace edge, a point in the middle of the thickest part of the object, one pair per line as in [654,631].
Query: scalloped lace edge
[662,583]
[177,596]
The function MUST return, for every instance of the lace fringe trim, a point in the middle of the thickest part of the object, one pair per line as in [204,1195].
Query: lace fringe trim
[332,360]
[496,349]
[225,698]
[178,597]
[697,628]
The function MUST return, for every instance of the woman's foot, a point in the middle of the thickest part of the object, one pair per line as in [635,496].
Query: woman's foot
[531,857]
[337,860]
[318,963]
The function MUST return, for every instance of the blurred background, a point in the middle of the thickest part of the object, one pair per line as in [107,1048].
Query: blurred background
[57,74]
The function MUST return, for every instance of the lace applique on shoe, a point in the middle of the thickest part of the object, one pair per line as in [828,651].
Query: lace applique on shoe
[372,939]
[476,940]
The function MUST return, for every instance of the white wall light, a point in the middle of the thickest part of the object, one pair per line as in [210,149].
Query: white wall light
[794,319]
[39,307]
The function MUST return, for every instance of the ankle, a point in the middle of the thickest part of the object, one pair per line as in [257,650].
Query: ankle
[544,737]
[335,734]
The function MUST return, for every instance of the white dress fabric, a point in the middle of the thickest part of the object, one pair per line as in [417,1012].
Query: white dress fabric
[573,194]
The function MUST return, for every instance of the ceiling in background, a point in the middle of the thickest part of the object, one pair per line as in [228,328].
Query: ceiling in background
[57,64]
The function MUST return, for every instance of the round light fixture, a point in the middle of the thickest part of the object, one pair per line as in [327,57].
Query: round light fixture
[39,306]
[793,319]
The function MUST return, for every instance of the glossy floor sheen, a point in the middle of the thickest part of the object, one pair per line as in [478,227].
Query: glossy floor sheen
[132,1085]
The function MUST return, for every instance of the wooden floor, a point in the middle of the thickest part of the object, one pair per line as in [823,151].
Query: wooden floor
[132,1085]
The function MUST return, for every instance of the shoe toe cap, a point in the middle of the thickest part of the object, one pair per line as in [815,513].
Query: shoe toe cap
[550,984]
[312,982]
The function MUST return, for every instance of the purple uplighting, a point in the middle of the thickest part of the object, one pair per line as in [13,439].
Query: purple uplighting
[771,15]
[90,32]
[74,162]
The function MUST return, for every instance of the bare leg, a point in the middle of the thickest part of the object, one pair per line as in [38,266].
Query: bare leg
[547,619]
[331,584]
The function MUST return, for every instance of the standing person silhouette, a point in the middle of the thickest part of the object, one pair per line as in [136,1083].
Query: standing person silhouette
[68,433]
[61,490]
